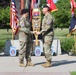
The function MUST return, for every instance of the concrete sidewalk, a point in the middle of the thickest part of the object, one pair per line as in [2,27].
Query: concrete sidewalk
[62,65]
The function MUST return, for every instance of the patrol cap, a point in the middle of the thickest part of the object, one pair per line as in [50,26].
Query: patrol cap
[24,11]
[46,7]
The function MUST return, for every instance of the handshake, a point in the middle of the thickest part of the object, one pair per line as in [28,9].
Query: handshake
[36,32]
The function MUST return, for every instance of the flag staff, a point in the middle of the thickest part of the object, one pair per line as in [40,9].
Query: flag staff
[11,24]
[12,38]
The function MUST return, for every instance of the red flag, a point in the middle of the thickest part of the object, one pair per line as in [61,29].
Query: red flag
[22,4]
[32,3]
[31,8]
[73,6]
[52,6]
[13,17]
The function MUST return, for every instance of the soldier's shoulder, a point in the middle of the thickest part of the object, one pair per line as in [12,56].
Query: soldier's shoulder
[49,15]
[21,21]
[22,18]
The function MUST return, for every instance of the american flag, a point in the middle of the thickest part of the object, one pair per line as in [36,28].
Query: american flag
[14,17]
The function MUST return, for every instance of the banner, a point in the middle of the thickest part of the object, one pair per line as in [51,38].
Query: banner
[73,7]
[52,6]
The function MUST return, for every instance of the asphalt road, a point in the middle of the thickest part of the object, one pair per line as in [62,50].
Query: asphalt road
[62,65]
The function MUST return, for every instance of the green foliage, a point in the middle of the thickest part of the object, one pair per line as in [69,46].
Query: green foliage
[73,50]
[63,15]
[4,35]
[73,73]
[61,32]
[66,44]
[4,15]
[43,2]
[2,45]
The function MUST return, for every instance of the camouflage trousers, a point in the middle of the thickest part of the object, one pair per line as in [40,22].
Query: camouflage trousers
[25,50]
[47,47]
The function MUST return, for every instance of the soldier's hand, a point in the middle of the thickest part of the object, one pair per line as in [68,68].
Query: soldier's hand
[33,32]
[38,33]
[13,30]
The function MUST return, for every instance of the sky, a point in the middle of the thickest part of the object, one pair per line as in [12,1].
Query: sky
[54,1]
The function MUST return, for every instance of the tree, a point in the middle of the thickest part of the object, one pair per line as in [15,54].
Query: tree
[43,2]
[4,12]
[4,16]
[63,15]
[4,3]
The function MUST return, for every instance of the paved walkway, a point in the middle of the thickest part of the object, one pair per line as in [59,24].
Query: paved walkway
[62,65]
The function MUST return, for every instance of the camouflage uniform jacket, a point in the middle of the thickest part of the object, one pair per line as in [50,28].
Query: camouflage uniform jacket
[47,25]
[24,30]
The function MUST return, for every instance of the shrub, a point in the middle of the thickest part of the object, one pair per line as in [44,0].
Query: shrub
[2,45]
[73,50]
[67,44]
[5,15]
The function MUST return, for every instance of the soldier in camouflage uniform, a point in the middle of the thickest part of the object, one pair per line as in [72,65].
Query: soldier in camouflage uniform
[47,32]
[25,39]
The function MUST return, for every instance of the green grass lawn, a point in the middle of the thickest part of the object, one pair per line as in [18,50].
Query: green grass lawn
[61,33]
[4,35]
[73,73]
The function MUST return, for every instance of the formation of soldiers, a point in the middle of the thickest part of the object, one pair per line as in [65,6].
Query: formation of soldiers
[25,37]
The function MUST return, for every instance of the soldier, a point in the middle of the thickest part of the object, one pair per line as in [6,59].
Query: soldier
[47,32]
[25,39]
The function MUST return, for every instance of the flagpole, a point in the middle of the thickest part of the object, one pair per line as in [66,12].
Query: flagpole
[11,25]
[12,38]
